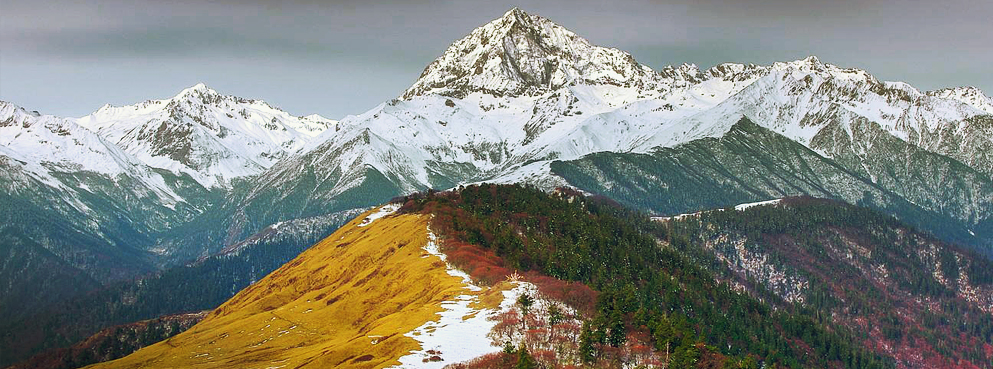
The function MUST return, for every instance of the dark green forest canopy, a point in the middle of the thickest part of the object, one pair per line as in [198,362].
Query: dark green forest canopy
[643,285]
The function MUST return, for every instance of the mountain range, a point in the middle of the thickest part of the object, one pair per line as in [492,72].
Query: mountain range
[132,190]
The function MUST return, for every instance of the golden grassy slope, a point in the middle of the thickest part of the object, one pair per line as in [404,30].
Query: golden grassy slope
[322,309]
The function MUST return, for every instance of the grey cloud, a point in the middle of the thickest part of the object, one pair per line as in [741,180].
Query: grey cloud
[169,42]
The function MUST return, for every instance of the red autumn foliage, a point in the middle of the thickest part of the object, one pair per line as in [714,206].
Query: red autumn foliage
[551,345]
[496,360]
[506,327]
[546,356]
[483,265]
[575,294]
[709,359]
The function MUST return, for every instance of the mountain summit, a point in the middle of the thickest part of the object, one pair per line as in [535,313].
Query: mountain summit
[127,190]
[520,92]
[525,54]
[208,135]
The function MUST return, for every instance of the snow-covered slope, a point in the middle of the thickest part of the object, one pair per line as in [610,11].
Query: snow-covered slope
[76,199]
[521,90]
[511,97]
[75,202]
[44,145]
[810,102]
[500,105]
[211,137]
[517,89]
[523,54]
[969,95]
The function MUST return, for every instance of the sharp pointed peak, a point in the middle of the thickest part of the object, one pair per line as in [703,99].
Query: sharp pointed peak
[515,13]
[199,93]
[522,53]
[811,60]
[516,20]
[199,88]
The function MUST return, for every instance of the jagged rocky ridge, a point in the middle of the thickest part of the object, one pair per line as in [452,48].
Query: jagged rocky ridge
[212,137]
[521,92]
[182,178]
[499,105]
[88,198]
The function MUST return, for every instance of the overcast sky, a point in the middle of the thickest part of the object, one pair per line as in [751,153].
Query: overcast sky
[344,57]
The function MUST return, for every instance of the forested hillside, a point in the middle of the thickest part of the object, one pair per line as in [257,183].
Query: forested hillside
[645,288]
[904,294]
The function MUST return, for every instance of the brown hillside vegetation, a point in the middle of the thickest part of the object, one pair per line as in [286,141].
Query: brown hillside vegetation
[345,302]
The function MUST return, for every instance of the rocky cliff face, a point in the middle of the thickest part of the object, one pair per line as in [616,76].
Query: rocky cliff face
[523,54]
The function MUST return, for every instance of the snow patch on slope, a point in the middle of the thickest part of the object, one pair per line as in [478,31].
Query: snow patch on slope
[460,333]
[742,207]
[380,213]
[739,207]
[969,95]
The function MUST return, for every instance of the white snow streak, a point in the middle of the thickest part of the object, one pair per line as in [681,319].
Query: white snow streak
[381,212]
[460,332]
[741,207]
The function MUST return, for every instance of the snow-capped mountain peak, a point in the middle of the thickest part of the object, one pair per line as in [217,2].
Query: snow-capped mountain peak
[203,133]
[200,94]
[524,54]
[42,145]
[520,91]
[813,65]
[199,88]
[34,138]
[969,95]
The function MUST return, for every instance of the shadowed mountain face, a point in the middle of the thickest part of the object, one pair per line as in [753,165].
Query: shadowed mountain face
[751,163]
[201,285]
[113,342]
